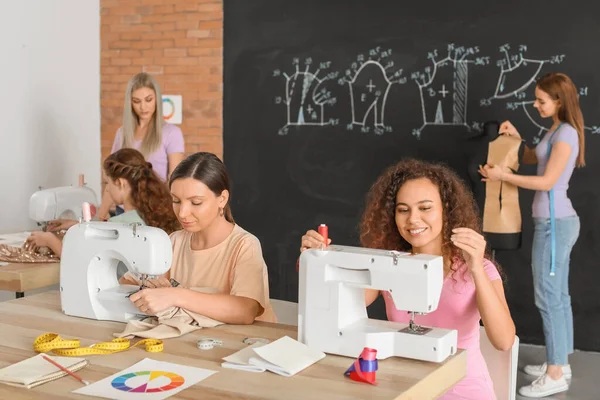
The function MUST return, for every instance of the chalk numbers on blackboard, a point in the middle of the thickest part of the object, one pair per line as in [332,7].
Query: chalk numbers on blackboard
[306,96]
[444,86]
[308,92]
[368,80]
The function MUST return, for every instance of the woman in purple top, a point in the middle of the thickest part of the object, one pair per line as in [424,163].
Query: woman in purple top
[557,155]
[145,130]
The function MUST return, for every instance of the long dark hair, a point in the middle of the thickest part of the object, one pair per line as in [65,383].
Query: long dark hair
[208,169]
[149,194]
[560,87]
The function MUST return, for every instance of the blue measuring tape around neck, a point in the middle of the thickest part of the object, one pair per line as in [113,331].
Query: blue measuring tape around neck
[552,219]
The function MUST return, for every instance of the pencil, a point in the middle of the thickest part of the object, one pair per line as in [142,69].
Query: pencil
[51,361]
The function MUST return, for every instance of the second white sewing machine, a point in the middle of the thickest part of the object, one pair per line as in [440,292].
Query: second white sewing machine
[332,315]
[88,268]
[59,202]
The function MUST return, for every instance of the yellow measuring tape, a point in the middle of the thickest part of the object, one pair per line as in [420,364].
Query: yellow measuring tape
[71,348]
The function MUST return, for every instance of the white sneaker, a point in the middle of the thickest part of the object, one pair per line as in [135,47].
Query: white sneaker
[539,370]
[544,386]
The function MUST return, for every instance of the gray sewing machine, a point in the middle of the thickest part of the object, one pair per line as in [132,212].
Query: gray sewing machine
[60,202]
[332,315]
[88,267]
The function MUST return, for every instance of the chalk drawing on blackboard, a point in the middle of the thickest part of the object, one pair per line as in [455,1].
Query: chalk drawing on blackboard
[527,108]
[517,73]
[306,96]
[443,89]
[369,81]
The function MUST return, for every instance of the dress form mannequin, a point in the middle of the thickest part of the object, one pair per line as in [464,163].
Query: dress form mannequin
[498,202]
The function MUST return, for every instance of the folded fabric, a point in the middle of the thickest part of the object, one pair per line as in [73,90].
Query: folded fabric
[35,371]
[241,359]
[285,357]
[170,323]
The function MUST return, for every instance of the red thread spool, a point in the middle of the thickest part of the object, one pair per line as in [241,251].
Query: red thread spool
[324,231]
[364,368]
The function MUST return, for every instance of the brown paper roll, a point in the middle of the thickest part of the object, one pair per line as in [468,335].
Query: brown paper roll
[501,213]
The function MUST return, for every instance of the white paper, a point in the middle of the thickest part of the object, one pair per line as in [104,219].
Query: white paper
[241,359]
[147,380]
[285,356]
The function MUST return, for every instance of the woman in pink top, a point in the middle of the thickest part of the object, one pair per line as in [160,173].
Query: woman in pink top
[425,208]
[144,129]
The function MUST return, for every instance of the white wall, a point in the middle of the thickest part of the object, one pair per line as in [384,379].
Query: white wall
[50,102]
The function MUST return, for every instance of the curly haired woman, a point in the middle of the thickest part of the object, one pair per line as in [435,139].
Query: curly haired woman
[425,208]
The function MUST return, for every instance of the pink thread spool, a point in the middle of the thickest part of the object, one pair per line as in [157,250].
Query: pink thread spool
[86,211]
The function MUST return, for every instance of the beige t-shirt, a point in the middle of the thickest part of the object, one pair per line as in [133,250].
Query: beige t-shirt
[234,266]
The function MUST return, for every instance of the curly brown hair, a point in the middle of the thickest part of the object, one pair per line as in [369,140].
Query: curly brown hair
[378,228]
[149,194]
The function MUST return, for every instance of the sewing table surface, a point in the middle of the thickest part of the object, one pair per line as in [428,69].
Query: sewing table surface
[22,320]
[22,277]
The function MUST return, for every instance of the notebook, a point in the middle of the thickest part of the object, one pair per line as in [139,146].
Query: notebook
[35,371]
[285,357]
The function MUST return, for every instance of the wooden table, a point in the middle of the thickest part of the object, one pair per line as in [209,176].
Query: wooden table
[21,277]
[22,320]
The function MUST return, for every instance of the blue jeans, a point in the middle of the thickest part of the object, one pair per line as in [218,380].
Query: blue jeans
[552,292]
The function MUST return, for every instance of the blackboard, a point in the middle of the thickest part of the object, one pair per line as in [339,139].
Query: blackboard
[300,77]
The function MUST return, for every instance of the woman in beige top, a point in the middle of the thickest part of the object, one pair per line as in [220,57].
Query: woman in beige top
[211,252]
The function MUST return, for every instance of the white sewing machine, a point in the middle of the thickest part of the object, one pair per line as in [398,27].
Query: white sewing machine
[59,202]
[88,267]
[332,315]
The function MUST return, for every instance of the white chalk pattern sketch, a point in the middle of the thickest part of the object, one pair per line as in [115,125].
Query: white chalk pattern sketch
[444,89]
[524,72]
[527,107]
[306,96]
[369,80]
[511,65]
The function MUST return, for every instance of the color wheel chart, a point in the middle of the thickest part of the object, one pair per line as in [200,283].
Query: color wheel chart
[147,381]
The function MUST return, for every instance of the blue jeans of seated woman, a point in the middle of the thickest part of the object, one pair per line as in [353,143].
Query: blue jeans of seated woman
[552,292]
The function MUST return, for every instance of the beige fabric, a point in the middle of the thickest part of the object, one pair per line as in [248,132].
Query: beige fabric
[501,213]
[171,323]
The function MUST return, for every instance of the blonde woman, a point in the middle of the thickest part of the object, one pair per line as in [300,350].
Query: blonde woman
[145,130]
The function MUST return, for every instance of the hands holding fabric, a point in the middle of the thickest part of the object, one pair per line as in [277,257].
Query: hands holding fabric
[491,172]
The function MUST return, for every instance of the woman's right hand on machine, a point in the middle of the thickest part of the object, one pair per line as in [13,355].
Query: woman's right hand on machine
[313,240]
[60,225]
